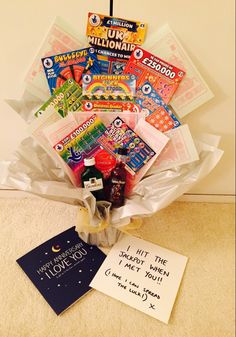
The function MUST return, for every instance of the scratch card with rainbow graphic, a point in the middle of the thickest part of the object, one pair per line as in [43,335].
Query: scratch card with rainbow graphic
[81,143]
[59,68]
[109,87]
[163,76]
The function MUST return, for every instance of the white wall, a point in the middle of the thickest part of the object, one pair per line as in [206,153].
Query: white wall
[206,30]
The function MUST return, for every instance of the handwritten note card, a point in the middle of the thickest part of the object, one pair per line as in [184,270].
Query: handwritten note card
[142,275]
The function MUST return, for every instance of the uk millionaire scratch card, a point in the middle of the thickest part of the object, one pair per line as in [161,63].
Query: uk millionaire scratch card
[59,68]
[163,76]
[114,39]
[119,36]
[119,134]
[159,114]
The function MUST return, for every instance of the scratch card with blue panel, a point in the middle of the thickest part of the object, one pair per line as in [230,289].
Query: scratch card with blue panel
[62,268]
[59,68]
[119,134]
[158,113]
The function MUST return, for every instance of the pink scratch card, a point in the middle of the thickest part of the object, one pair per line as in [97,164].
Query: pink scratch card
[60,39]
[193,90]
[163,76]
[143,275]
[179,151]
[154,138]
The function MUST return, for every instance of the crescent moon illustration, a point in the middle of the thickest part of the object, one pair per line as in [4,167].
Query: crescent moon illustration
[56,249]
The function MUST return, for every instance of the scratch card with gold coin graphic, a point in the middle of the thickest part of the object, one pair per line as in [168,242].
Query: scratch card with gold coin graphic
[114,39]
[62,268]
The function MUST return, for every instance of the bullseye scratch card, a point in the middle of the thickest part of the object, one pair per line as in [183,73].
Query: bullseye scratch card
[119,134]
[164,77]
[159,114]
[59,68]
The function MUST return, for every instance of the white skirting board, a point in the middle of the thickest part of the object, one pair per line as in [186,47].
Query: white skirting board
[216,198]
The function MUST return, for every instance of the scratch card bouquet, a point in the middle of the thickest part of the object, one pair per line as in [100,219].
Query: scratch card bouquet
[106,124]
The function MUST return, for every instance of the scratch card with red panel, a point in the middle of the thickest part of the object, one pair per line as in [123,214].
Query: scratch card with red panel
[110,106]
[159,114]
[119,134]
[163,76]
[59,68]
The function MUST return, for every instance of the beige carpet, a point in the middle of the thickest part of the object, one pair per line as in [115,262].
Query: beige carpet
[205,303]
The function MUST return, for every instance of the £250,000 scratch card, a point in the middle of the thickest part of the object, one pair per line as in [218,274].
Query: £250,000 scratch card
[163,76]
[59,68]
[159,114]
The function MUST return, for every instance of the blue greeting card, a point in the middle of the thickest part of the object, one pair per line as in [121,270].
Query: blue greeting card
[62,268]
[59,68]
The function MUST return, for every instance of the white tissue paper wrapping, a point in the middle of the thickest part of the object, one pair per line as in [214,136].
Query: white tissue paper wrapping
[33,170]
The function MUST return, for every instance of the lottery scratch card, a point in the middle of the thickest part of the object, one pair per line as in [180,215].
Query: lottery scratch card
[110,65]
[193,90]
[119,134]
[109,87]
[66,98]
[164,77]
[159,114]
[114,37]
[81,143]
[59,68]
[111,106]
